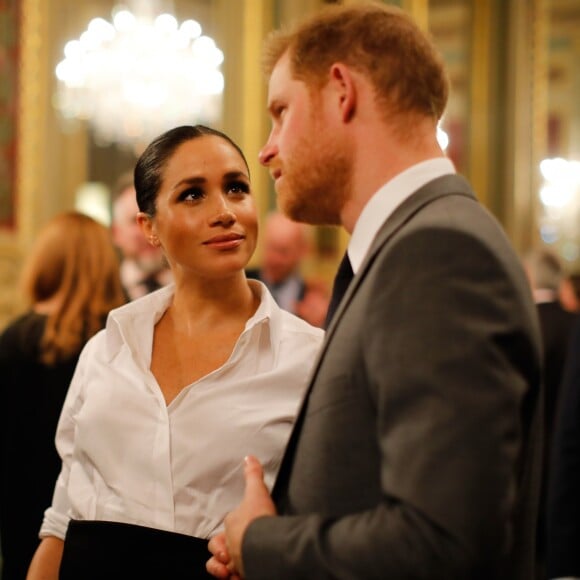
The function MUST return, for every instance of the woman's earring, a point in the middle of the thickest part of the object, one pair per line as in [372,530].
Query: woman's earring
[154,241]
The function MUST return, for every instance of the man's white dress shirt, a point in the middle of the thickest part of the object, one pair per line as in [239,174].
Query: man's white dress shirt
[387,199]
[129,457]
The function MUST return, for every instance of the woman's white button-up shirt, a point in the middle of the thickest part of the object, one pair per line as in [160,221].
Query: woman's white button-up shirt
[129,457]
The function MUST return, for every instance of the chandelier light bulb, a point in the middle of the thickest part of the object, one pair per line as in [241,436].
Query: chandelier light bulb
[137,76]
[190,28]
[166,23]
[124,20]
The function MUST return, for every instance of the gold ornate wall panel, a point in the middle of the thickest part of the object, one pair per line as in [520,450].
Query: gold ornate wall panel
[419,9]
[479,116]
[52,161]
[9,19]
[559,215]
[451,24]
[10,303]
[31,117]
[525,118]
[10,118]
[495,54]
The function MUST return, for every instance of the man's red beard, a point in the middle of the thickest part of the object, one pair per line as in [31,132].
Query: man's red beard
[316,184]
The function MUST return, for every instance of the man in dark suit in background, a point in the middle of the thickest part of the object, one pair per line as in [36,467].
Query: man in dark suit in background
[546,275]
[563,510]
[416,452]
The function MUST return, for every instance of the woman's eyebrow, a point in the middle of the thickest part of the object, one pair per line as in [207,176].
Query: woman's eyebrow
[235,175]
[189,181]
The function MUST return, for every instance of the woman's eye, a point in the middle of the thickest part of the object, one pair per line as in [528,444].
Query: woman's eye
[238,187]
[191,194]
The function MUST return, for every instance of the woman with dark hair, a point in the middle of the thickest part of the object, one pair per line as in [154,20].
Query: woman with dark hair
[70,281]
[180,386]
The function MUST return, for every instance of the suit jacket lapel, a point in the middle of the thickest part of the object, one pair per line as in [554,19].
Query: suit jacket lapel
[440,187]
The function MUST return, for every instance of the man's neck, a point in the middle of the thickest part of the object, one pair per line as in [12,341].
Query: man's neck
[378,165]
[382,145]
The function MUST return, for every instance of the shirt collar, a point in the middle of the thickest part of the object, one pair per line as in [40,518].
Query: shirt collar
[386,200]
[543,295]
[133,323]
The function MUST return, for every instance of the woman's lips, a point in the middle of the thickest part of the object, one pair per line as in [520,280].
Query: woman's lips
[225,241]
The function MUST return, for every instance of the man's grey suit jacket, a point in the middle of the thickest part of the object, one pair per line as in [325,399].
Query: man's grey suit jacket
[416,452]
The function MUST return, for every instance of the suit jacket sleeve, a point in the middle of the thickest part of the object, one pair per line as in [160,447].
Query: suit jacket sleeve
[447,350]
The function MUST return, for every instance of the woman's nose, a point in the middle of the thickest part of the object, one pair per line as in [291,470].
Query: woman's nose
[224,216]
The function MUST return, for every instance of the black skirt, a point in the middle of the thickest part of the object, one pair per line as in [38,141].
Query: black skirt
[111,550]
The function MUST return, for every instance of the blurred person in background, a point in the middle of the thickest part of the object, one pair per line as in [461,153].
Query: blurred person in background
[547,278]
[143,266]
[285,246]
[563,503]
[570,292]
[70,281]
[548,281]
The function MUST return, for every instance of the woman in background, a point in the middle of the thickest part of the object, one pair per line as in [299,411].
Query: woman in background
[181,385]
[71,281]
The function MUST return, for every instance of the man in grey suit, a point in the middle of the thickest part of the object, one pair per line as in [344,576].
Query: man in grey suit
[416,452]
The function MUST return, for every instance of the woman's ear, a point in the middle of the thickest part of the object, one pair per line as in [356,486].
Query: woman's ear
[344,84]
[148,228]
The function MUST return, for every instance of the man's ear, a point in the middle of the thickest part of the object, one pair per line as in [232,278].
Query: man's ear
[344,83]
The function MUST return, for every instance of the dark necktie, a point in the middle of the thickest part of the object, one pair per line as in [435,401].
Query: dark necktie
[341,282]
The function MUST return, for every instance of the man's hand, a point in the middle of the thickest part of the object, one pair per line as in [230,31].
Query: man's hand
[226,548]
[219,564]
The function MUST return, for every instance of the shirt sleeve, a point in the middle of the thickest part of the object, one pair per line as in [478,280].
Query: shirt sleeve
[56,517]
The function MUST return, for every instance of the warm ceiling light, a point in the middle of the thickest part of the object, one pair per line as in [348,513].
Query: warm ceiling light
[139,75]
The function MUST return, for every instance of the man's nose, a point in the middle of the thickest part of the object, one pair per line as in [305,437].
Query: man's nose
[268,152]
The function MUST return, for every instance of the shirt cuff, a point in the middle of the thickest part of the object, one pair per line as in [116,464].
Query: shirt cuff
[54,524]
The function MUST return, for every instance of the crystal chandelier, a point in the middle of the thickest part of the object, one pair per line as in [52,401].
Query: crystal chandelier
[139,75]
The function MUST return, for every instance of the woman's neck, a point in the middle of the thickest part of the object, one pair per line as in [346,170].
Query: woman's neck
[213,303]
